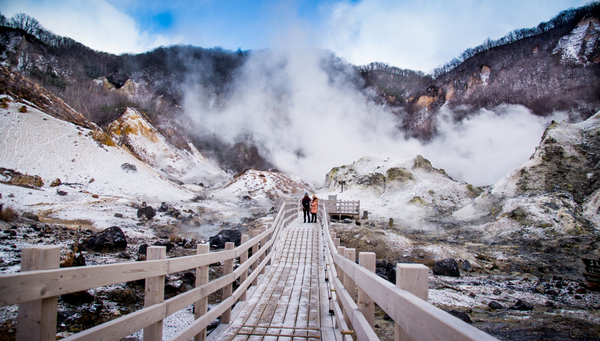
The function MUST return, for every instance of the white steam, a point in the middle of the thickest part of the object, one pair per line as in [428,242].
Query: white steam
[307,123]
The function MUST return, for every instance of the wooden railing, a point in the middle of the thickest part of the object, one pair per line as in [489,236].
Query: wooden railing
[37,287]
[342,207]
[406,302]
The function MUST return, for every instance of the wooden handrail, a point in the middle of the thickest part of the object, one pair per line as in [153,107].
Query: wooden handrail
[40,284]
[416,317]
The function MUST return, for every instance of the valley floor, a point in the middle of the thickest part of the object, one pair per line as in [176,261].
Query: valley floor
[535,302]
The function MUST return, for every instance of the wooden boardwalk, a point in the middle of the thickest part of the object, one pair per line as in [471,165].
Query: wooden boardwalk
[287,304]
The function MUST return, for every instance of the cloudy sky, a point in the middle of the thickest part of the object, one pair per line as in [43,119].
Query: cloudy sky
[411,34]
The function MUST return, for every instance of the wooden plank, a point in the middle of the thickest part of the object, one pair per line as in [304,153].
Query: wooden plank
[36,320]
[123,326]
[195,327]
[38,284]
[365,304]
[413,278]
[154,293]
[364,331]
[202,275]
[189,262]
[228,288]
[243,259]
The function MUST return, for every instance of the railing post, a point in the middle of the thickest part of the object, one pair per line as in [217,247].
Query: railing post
[154,293]
[200,307]
[271,236]
[365,303]
[348,281]
[36,320]
[255,233]
[349,284]
[262,245]
[228,289]
[243,259]
[413,278]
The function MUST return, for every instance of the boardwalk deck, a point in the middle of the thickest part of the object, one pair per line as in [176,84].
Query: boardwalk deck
[286,304]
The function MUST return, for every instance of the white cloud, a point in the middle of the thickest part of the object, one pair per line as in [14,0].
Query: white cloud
[94,23]
[422,35]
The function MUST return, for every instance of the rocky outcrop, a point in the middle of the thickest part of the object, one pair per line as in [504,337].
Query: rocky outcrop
[409,189]
[555,192]
[109,240]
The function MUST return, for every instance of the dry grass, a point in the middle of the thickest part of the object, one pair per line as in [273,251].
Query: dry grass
[7,214]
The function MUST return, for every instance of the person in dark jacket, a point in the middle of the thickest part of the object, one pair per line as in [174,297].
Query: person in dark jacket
[306,206]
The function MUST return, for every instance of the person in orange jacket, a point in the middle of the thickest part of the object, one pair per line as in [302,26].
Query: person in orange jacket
[314,208]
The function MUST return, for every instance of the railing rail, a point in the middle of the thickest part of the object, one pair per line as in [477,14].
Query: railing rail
[42,286]
[406,302]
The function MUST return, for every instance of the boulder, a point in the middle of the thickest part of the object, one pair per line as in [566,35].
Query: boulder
[495,305]
[77,298]
[146,211]
[386,270]
[109,240]
[225,236]
[522,305]
[466,265]
[31,216]
[166,244]
[128,167]
[461,316]
[446,267]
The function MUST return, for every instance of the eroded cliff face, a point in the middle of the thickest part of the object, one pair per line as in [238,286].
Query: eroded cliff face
[554,71]
[555,193]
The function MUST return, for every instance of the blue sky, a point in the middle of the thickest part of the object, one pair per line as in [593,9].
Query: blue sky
[412,34]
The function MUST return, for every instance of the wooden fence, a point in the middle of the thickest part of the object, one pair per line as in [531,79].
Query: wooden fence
[406,302]
[37,287]
[342,207]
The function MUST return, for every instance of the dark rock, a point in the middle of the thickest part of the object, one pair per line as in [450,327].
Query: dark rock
[199,197]
[167,244]
[124,296]
[387,317]
[77,298]
[466,265]
[61,193]
[128,167]
[139,284]
[522,305]
[224,236]
[461,316]
[124,255]
[142,249]
[118,215]
[495,305]
[35,228]
[188,278]
[31,216]
[386,270]
[108,240]
[446,267]
[163,207]
[146,211]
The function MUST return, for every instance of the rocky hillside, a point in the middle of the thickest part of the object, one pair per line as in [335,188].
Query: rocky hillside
[411,192]
[555,193]
[548,68]
[551,67]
